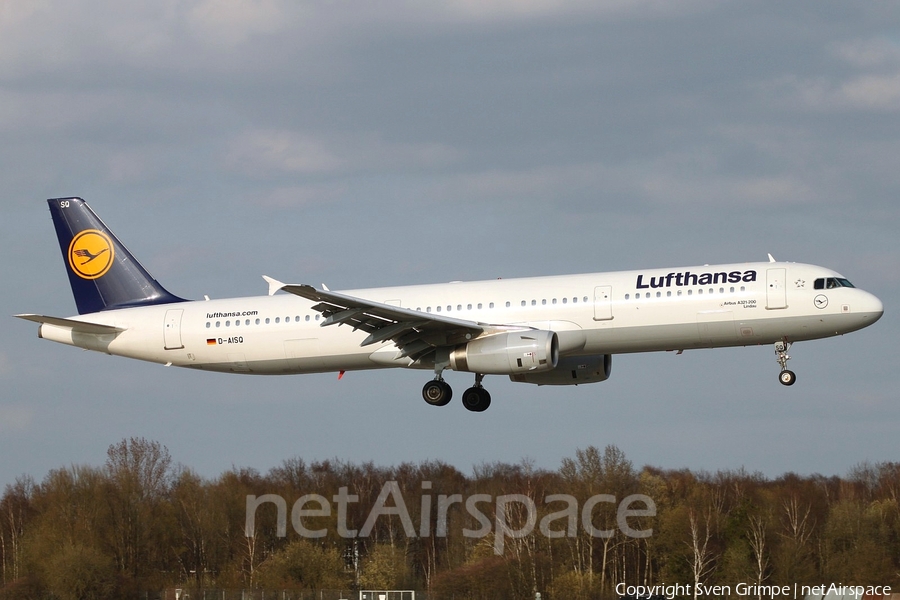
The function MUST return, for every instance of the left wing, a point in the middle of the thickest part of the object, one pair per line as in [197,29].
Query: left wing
[415,333]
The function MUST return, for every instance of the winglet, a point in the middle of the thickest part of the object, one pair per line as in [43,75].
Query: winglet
[772,258]
[274,284]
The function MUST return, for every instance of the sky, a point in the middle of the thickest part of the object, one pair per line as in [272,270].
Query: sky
[395,142]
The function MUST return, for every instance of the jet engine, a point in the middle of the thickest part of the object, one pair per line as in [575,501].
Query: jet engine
[571,370]
[530,351]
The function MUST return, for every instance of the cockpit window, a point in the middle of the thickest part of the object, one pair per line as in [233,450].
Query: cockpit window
[829,283]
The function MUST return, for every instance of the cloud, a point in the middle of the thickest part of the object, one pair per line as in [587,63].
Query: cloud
[873,84]
[15,417]
[870,53]
[261,152]
[233,22]
[871,92]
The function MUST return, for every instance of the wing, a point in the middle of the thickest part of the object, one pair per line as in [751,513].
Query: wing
[415,333]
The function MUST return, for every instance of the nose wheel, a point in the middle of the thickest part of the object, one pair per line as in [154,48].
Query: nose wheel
[786,377]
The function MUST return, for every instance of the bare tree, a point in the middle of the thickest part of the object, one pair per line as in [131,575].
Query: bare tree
[702,560]
[757,537]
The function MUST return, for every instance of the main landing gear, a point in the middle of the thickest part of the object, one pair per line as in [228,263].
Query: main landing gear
[786,377]
[438,393]
[476,398]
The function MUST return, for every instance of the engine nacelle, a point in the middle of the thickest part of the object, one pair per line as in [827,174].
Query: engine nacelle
[571,370]
[508,353]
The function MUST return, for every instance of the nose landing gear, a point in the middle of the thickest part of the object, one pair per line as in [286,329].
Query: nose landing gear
[786,377]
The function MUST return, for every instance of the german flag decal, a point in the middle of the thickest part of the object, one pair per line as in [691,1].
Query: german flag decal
[211,341]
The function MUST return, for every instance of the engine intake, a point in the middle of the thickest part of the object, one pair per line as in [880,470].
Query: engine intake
[531,351]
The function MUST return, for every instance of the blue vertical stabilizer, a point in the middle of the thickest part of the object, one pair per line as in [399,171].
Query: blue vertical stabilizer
[103,274]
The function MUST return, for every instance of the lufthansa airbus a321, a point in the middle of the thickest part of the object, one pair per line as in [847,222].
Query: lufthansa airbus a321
[560,330]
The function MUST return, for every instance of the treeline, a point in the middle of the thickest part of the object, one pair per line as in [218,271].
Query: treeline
[140,523]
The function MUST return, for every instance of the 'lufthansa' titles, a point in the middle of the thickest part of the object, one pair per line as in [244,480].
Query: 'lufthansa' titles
[687,278]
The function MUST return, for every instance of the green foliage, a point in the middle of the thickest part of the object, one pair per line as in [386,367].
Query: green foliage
[385,568]
[77,572]
[303,565]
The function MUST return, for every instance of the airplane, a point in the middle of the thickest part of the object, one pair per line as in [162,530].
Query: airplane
[559,330]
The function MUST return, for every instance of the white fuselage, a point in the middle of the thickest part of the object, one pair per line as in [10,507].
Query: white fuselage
[593,314]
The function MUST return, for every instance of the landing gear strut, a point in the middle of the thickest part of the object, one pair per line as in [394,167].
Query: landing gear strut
[786,377]
[476,398]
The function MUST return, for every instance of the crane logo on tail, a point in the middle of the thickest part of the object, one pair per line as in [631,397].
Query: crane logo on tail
[91,254]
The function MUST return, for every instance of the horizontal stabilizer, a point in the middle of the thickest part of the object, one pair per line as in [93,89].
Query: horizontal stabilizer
[77,326]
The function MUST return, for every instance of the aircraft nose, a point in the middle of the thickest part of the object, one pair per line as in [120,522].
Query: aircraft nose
[872,306]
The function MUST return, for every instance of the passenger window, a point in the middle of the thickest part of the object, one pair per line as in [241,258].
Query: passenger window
[669,294]
[307,317]
[227,323]
[207,324]
[277,320]
[574,300]
[544,302]
[585,298]
[428,309]
[218,323]
[267,320]
[459,306]
[534,302]
[257,320]
[237,322]
[565,300]
[658,294]
[438,309]
[627,296]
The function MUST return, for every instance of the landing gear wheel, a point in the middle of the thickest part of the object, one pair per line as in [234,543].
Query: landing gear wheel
[437,392]
[476,399]
[787,377]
